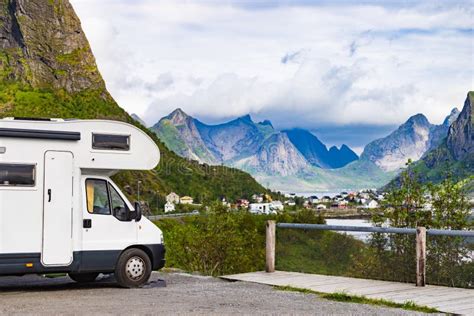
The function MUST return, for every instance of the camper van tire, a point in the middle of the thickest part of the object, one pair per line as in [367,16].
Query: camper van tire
[83,277]
[133,268]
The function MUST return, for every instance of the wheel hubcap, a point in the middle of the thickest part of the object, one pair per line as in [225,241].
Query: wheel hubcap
[135,268]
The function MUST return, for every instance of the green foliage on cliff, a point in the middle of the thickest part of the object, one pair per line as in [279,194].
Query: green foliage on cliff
[23,101]
[169,134]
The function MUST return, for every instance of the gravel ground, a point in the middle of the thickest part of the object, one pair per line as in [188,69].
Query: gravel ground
[167,293]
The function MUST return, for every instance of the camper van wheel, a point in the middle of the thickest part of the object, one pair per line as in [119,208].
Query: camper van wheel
[133,268]
[83,277]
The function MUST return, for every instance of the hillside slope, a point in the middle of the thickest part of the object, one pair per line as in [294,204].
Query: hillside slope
[47,69]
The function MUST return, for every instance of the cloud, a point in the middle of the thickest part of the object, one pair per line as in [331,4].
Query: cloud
[162,82]
[298,63]
[295,57]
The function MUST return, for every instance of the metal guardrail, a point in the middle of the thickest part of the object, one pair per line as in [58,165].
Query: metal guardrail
[419,232]
[157,217]
[388,230]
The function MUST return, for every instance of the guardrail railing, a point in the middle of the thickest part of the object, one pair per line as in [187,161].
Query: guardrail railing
[420,232]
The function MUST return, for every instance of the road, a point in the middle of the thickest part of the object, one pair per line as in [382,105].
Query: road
[167,293]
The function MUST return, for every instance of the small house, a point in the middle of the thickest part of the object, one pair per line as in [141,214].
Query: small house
[172,198]
[186,200]
[371,204]
[313,199]
[326,199]
[169,207]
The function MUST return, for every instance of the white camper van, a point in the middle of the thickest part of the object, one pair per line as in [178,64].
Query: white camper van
[59,209]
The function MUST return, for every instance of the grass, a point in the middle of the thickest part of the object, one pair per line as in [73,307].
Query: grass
[343,297]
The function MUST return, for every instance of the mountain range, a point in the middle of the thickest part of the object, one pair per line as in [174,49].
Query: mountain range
[296,159]
[248,145]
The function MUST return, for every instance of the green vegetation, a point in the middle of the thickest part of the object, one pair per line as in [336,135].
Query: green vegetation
[429,169]
[224,242]
[73,58]
[169,134]
[219,241]
[343,297]
[320,252]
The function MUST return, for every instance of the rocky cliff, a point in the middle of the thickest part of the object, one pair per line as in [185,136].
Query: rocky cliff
[43,45]
[412,140]
[236,139]
[277,156]
[455,153]
[461,133]
[212,144]
[180,133]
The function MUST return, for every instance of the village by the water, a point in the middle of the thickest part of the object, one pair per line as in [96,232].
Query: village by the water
[360,203]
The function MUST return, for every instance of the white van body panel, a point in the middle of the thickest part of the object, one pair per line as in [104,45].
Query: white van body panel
[31,227]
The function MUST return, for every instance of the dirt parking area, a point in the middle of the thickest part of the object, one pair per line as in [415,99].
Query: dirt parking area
[167,293]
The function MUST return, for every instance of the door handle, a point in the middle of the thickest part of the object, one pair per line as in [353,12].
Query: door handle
[87,223]
[49,195]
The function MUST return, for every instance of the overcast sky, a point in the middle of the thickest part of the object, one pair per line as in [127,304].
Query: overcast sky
[348,72]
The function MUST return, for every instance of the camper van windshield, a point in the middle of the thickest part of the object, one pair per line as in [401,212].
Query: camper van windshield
[17,175]
[110,142]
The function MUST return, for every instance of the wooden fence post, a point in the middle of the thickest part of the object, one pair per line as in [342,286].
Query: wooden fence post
[420,256]
[270,246]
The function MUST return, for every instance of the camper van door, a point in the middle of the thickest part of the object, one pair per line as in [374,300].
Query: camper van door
[57,208]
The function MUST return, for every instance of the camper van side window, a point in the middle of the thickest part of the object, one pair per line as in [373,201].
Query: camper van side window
[17,175]
[97,197]
[111,142]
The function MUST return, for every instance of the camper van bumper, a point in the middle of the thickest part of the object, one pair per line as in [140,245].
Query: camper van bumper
[158,255]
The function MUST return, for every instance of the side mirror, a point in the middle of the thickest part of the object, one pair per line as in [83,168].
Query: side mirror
[138,212]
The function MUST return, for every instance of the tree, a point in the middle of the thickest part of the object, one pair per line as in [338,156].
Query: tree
[448,257]
[412,204]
